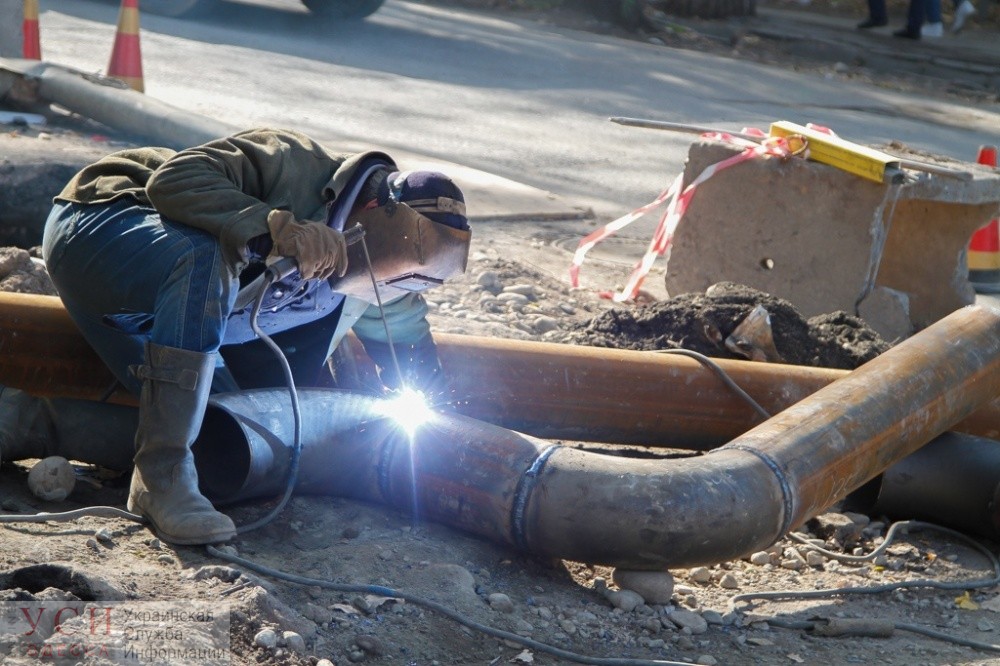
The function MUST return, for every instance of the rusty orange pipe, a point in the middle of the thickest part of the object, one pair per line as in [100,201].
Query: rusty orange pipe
[543,389]
[750,492]
[563,502]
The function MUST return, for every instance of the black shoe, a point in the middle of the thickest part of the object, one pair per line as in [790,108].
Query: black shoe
[871,23]
[906,33]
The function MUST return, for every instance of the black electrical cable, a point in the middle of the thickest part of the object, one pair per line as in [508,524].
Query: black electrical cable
[726,379]
[889,587]
[439,608]
[293,394]
[890,536]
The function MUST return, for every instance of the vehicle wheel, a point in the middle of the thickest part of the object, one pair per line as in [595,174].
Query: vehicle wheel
[172,7]
[343,9]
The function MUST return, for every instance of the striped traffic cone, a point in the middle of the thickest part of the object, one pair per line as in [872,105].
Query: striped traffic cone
[984,247]
[126,58]
[32,45]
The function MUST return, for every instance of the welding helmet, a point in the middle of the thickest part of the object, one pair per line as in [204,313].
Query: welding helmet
[415,232]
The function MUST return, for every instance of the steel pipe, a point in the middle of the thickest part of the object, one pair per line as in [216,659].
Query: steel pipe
[567,503]
[103,100]
[543,389]
[954,481]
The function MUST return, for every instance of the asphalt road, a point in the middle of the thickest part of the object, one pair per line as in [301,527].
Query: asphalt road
[525,101]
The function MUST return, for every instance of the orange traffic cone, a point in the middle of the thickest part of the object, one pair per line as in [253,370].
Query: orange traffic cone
[32,45]
[984,247]
[126,58]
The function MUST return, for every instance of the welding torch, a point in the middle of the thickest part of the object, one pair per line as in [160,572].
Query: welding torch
[285,266]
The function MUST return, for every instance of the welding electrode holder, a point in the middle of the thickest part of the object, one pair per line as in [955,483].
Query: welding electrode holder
[285,266]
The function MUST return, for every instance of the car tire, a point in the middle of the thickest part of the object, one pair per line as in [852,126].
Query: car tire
[173,7]
[342,9]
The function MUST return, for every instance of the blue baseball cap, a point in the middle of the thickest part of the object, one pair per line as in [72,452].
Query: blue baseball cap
[430,193]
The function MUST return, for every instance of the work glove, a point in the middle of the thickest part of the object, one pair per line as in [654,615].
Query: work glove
[418,362]
[318,250]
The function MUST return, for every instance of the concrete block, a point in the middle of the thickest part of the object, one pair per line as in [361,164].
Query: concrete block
[810,233]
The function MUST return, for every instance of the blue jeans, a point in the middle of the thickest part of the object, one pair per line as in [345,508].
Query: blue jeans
[126,275]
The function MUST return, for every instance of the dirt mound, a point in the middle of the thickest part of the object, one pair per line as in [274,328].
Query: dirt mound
[706,322]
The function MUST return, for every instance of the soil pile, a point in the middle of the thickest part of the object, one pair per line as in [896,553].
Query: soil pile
[705,322]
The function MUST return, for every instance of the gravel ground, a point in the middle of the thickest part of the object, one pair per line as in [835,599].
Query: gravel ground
[515,287]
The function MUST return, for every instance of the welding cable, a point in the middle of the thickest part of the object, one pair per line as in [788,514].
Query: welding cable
[915,525]
[809,625]
[890,537]
[293,394]
[112,512]
[438,608]
[726,379]
[62,516]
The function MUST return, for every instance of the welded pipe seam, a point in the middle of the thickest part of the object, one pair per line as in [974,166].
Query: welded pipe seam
[787,494]
[522,494]
[383,468]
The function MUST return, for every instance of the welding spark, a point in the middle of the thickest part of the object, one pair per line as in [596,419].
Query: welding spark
[409,408]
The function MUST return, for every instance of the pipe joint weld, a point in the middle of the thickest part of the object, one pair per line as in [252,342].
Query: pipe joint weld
[524,487]
[383,467]
[787,496]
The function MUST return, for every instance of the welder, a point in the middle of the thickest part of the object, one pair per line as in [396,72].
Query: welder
[157,256]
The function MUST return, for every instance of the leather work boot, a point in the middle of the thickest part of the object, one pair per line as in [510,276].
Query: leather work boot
[175,388]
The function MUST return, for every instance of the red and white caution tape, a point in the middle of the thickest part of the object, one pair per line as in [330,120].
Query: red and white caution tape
[677,204]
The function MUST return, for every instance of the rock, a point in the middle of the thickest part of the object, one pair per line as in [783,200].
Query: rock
[706,660]
[888,312]
[490,281]
[686,619]
[836,526]
[545,324]
[527,290]
[513,298]
[294,641]
[501,602]
[223,573]
[626,600]
[259,603]
[325,662]
[317,614]
[104,536]
[713,617]
[655,587]
[729,582]
[455,584]
[700,574]
[266,638]
[52,479]
[370,644]
[760,558]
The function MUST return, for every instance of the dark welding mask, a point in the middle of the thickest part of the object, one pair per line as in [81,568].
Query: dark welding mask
[416,235]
